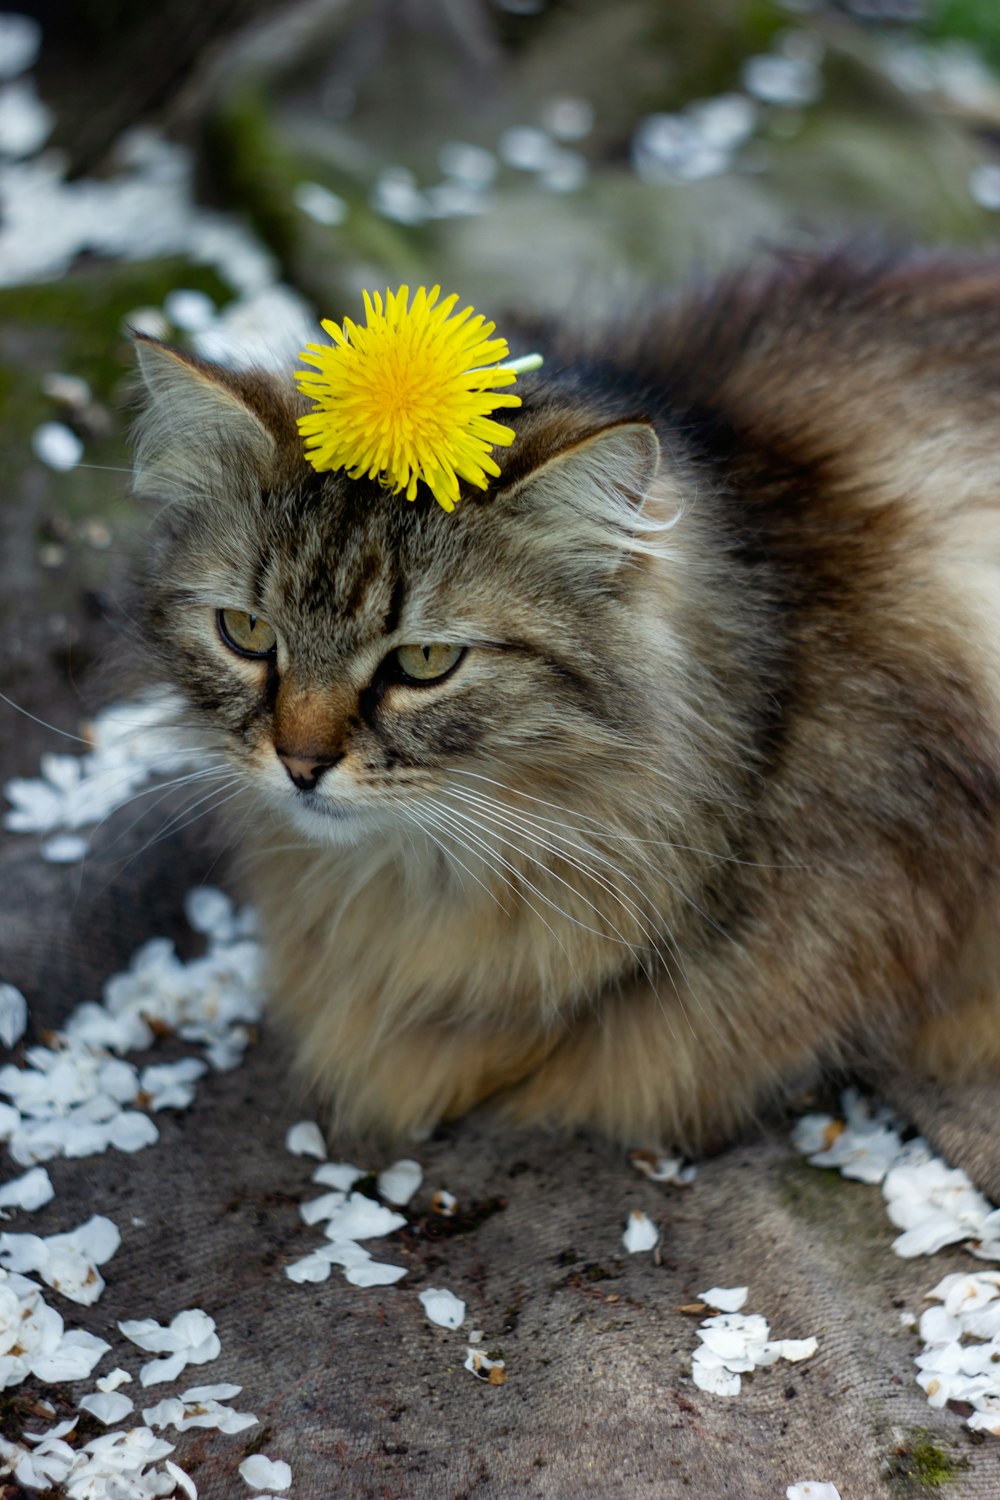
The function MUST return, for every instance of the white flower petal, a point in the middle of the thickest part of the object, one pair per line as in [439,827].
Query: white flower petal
[32,1190]
[223,1391]
[107,1406]
[113,1380]
[926,1238]
[98,1239]
[398,1183]
[361,1218]
[53,442]
[202,1354]
[42,1470]
[311,1268]
[54,1433]
[23,1252]
[640,1233]
[812,1489]
[728,1344]
[726,1299]
[478,1362]
[185,1481]
[715,1379]
[797,1349]
[185,1415]
[64,849]
[345,1253]
[374,1273]
[13,1015]
[306,1139]
[337,1174]
[157,1371]
[443,1307]
[131,1131]
[210,911]
[165,1413]
[74,1359]
[20,42]
[264,1473]
[939,1326]
[982,1421]
[149,1335]
[192,1327]
[315,1210]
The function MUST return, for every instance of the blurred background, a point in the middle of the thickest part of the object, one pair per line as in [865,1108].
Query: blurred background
[218,171]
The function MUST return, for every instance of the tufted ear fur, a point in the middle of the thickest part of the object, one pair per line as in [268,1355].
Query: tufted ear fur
[199,427]
[602,498]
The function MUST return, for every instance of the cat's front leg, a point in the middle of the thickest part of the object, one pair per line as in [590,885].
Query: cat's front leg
[412,1081]
[644,1072]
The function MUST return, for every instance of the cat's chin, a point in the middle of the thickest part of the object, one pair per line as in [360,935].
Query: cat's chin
[326,823]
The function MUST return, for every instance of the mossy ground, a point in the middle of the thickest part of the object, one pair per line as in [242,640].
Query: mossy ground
[923,1466]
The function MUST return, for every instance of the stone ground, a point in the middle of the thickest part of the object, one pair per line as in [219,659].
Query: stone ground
[355,1389]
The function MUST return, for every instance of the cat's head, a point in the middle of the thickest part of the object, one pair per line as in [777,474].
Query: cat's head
[352,656]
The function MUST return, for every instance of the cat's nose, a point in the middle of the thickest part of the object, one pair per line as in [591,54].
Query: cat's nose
[305,771]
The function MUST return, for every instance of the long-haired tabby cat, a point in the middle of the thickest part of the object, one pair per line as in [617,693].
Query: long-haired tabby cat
[660,776]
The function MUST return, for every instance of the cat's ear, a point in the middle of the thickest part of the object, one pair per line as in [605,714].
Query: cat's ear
[601,497]
[197,426]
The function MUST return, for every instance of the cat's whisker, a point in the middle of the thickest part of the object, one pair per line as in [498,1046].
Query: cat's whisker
[164,788]
[552,826]
[692,903]
[44,724]
[118,469]
[451,857]
[643,968]
[461,832]
[119,869]
[170,826]
[559,846]
[174,827]
[605,830]
[641,921]
[634,840]
[628,906]
[479,836]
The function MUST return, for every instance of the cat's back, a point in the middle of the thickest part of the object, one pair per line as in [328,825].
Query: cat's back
[844,414]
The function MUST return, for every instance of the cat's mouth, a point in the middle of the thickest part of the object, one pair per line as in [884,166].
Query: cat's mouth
[311,804]
[324,822]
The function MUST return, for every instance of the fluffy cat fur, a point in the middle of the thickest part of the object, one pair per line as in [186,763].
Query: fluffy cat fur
[711,802]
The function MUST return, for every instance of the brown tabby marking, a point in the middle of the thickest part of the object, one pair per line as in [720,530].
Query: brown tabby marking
[711,801]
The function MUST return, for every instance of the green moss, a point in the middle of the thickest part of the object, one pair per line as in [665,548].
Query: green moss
[921,1465]
[975,21]
[256,1444]
[256,173]
[714,52]
[368,1186]
[812,1192]
[761,20]
[80,317]
[251,168]
[587,1278]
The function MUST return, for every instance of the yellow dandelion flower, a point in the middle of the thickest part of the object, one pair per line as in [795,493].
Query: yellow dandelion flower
[407,397]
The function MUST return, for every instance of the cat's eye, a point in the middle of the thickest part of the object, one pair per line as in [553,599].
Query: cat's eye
[428,663]
[246,634]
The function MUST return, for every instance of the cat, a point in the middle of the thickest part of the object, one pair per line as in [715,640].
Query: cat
[662,776]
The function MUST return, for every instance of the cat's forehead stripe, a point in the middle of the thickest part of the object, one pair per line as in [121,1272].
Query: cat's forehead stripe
[393,614]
